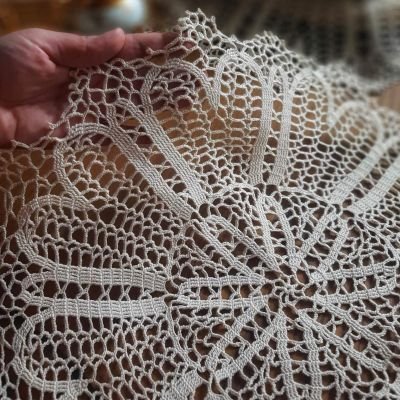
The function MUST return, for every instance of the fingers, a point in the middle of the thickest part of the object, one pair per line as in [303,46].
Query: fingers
[136,44]
[8,126]
[75,51]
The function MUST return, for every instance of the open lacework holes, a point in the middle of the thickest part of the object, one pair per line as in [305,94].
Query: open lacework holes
[172,258]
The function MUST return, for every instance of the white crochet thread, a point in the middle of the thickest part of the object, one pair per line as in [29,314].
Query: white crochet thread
[360,33]
[221,222]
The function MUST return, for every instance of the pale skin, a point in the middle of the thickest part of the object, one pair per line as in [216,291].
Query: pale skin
[35,67]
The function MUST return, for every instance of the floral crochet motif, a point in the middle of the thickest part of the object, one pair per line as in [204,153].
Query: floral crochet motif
[221,221]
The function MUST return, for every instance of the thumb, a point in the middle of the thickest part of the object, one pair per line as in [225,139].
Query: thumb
[75,51]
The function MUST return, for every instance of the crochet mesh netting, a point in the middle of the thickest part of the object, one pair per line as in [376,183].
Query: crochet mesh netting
[362,33]
[221,221]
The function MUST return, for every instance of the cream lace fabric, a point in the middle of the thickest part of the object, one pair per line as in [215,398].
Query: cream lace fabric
[362,33]
[221,221]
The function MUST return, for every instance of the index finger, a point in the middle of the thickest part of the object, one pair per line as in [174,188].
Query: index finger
[136,44]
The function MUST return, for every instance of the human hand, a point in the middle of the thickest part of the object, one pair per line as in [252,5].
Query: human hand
[34,73]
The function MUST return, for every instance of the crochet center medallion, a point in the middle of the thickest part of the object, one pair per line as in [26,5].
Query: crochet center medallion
[221,221]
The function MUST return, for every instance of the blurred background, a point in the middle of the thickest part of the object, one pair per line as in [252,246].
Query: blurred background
[84,16]
[362,33]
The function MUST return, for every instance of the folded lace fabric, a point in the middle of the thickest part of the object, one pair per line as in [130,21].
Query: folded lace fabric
[221,221]
[361,33]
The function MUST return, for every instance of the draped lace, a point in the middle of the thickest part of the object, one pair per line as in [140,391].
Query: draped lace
[221,221]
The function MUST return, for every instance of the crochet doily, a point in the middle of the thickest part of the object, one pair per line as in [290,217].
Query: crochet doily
[362,33]
[221,221]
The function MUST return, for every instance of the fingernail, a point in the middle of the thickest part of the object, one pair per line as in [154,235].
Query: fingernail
[116,31]
[168,37]
[108,33]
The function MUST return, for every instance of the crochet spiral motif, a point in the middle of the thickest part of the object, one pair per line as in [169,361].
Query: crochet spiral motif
[221,221]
